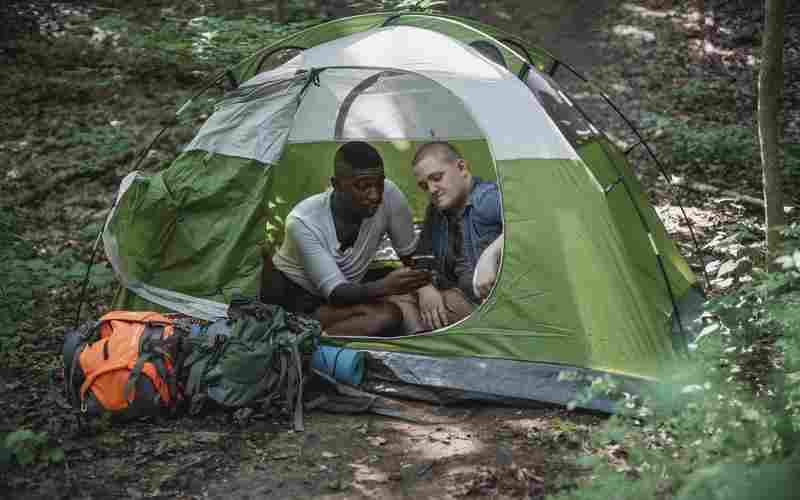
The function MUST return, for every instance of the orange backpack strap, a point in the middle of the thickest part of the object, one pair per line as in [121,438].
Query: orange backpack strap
[161,360]
[110,321]
[137,317]
[75,342]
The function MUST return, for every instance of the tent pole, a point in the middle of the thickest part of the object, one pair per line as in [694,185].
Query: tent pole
[521,47]
[659,259]
[621,179]
[266,56]
[651,154]
[210,83]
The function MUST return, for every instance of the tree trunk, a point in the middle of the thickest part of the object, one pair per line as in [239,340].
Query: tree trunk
[281,12]
[335,9]
[770,85]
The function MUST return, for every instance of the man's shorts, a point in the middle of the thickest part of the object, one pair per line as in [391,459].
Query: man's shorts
[277,288]
[456,303]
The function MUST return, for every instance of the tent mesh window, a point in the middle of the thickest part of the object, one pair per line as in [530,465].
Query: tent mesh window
[572,123]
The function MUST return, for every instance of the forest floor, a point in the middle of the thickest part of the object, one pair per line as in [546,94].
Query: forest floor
[75,107]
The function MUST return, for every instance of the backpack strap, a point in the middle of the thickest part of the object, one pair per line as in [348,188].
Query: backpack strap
[72,360]
[199,361]
[298,403]
[73,391]
[148,352]
[136,317]
[294,393]
[90,380]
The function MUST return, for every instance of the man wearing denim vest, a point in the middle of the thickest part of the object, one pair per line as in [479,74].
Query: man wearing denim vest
[330,240]
[462,222]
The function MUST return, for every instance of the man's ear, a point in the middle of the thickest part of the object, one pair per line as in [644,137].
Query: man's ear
[462,165]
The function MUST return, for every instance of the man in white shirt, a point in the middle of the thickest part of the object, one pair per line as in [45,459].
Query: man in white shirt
[330,240]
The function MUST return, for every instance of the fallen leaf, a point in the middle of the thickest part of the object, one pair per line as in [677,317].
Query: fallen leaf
[377,440]
[208,437]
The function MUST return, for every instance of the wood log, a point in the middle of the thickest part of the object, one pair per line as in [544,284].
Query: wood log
[700,187]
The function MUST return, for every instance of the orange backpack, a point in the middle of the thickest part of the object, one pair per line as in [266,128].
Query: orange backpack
[130,371]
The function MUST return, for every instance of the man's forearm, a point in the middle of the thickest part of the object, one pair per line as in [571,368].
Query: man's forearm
[348,294]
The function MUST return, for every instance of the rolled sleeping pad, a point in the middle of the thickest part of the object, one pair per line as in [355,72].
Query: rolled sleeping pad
[344,365]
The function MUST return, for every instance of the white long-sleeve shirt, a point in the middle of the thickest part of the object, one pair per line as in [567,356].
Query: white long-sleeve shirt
[310,254]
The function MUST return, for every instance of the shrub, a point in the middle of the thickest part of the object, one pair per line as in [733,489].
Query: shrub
[27,448]
[25,277]
[705,434]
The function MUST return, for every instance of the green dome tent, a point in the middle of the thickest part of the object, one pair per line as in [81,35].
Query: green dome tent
[589,284]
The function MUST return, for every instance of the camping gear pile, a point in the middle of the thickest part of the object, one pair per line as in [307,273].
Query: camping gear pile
[590,283]
[133,364]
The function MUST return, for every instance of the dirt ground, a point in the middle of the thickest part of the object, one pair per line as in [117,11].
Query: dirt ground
[478,451]
[481,451]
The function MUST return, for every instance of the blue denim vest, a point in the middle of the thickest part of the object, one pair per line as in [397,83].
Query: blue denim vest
[483,222]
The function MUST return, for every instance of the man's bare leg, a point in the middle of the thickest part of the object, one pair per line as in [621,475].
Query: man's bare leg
[409,305]
[457,305]
[361,320]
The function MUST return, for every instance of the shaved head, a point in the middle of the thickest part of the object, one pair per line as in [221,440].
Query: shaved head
[441,172]
[442,151]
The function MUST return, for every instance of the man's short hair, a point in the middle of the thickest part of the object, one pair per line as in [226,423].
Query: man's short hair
[443,150]
[356,159]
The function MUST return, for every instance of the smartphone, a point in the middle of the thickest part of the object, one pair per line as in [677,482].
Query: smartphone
[423,262]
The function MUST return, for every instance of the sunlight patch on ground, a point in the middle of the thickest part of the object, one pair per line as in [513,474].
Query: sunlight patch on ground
[433,443]
[526,423]
[645,12]
[363,473]
[620,88]
[633,32]
[703,219]
[368,481]
[711,49]
[99,35]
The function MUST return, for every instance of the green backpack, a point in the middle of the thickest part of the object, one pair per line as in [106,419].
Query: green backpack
[252,357]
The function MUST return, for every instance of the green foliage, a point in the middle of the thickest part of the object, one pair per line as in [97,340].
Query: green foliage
[226,41]
[275,224]
[605,387]
[26,276]
[415,5]
[708,143]
[791,159]
[28,448]
[93,145]
[711,143]
[211,41]
[709,95]
[709,431]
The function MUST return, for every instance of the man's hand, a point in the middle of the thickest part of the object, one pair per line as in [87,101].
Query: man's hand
[431,307]
[405,280]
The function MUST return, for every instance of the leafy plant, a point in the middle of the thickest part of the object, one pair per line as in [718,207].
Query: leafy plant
[27,447]
[25,276]
[704,94]
[206,40]
[701,144]
[416,5]
[710,143]
[709,432]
